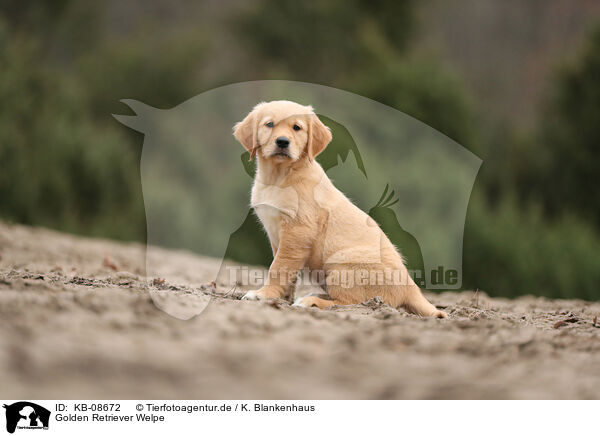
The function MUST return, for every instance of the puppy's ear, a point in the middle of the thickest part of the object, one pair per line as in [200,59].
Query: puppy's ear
[245,132]
[319,136]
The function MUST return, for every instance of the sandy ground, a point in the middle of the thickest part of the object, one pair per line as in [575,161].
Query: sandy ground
[73,325]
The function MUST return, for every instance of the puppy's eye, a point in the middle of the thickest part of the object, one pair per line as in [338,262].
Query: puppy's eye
[296,127]
[270,124]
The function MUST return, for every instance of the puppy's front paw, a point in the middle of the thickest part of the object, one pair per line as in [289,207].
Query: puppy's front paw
[252,295]
[268,291]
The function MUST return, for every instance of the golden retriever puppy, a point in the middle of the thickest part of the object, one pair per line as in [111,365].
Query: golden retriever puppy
[312,224]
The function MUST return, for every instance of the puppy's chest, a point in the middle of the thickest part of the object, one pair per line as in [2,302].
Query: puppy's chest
[272,204]
[271,221]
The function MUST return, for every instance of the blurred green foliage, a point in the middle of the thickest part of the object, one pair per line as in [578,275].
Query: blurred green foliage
[322,41]
[533,221]
[567,146]
[160,70]
[511,250]
[359,46]
[59,168]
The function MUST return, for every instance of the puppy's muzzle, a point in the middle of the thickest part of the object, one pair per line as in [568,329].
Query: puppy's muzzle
[282,149]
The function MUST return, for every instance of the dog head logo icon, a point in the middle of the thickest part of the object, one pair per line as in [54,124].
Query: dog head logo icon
[26,415]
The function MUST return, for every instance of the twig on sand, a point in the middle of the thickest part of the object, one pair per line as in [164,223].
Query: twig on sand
[227,294]
[571,319]
[560,324]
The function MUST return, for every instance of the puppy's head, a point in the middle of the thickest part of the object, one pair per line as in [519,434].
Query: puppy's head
[282,132]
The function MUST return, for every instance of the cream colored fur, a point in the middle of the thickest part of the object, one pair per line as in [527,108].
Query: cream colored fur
[310,223]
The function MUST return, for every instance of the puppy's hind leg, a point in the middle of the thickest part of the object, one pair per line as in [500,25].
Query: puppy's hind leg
[415,302]
[338,296]
[321,303]
[314,301]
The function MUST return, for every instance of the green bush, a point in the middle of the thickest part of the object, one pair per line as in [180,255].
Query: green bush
[367,51]
[161,70]
[59,169]
[296,48]
[423,89]
[510,251]
[567,152]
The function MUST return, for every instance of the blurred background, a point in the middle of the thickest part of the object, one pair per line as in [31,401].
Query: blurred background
[515,82]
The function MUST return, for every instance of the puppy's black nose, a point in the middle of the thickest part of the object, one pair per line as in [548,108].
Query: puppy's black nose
[282,142]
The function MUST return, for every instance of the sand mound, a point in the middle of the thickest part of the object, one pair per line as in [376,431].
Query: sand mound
[77,321]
